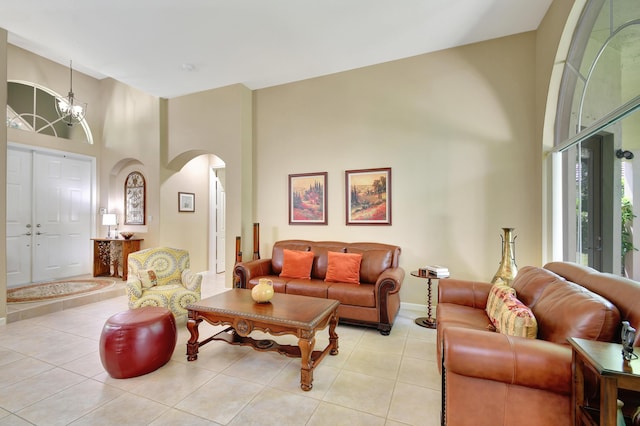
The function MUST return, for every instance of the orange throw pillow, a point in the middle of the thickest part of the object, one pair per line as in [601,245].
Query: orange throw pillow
[343,267]
[297,264]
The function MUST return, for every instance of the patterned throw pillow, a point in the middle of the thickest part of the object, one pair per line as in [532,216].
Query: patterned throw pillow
[497,295]
[516,319]
[148,278]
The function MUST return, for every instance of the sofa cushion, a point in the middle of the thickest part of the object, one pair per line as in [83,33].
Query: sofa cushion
[530,283]
[623,292]
[167,263]
[462,316]
[498,294]
[277,254]
[566,309]
[374,262]
[279,283]
[516,319]
[321,260]
[313,288]
[349,294]
[343,267]
[296,264]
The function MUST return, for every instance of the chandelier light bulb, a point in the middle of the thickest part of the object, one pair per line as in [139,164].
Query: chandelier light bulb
[70,110]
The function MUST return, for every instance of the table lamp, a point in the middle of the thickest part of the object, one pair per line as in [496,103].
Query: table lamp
[109,220]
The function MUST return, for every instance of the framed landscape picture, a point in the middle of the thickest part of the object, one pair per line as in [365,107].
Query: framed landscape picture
[368,195]
[308,199]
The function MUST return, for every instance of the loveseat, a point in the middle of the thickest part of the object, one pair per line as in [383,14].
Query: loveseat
[492,378]
[371,297]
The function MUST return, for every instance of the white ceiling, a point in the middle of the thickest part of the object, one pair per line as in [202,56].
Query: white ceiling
[151,44]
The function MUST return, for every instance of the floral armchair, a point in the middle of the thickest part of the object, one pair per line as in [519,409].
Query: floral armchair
[161,277]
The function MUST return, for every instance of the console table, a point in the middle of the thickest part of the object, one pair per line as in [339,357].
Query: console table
[102,261]
[605,361]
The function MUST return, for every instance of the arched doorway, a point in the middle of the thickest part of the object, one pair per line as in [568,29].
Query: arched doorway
[201,229]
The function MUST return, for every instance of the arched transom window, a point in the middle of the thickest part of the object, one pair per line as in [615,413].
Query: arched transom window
[31,107]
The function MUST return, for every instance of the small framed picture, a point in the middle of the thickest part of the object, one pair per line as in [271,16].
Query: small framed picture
[308,199]
[368,195]
[186,202]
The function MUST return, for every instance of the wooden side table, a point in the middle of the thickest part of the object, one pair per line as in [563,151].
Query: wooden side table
[606,361]
[428,321]
[102,255]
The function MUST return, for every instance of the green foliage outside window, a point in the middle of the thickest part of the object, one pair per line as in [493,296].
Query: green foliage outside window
[627,236]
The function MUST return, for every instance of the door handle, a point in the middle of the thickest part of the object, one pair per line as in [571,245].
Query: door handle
[27,234]
[40,233]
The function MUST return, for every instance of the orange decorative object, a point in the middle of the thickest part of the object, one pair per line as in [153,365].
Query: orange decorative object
[343,267]
[297,264]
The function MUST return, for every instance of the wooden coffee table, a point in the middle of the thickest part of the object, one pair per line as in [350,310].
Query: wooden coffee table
[301,316]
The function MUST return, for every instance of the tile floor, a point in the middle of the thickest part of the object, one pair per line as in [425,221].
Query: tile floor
[51,374]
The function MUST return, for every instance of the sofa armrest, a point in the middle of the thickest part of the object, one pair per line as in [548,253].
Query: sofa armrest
[391,278]
[463,292]
[134,289]
[191,280]
[244,271]
[512,360]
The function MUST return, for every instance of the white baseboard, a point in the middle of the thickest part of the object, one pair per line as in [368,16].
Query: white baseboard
[3,321]
[413,306]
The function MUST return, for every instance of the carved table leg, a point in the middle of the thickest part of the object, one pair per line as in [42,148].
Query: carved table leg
[104,254]
[333,336]
[115,268]
[306,343]
[192,344]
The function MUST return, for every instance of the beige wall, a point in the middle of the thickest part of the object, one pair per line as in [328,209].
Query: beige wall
[212,122]
[461,129]
[25,66]
[130,142]
[457,127]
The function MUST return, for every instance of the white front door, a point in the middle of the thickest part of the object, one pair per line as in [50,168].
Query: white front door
[48,216]
[19,226]
[61,216]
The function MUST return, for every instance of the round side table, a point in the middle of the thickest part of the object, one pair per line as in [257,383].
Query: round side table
[428,321]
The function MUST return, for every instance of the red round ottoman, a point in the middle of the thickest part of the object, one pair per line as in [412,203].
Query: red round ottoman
[137,341]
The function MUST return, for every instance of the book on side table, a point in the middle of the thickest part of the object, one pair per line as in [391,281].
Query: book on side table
[436,271]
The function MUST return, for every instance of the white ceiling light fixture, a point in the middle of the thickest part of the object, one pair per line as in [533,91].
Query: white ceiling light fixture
[70,109]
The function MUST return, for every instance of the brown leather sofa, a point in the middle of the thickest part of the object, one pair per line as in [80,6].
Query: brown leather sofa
[374,302]
[492,379]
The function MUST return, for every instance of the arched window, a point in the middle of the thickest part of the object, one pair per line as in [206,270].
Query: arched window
[598,137]
[32,108]
[135,199]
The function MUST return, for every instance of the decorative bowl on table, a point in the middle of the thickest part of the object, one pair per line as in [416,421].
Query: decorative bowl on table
[126,235]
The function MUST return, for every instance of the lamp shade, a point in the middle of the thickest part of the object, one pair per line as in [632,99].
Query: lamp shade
[109,219]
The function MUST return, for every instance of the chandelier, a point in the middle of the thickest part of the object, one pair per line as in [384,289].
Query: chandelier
[70,110]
